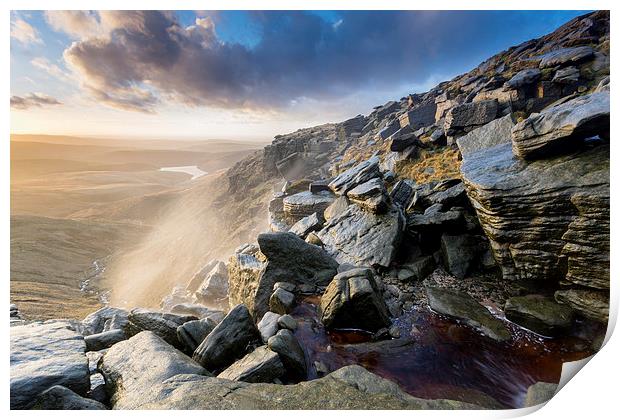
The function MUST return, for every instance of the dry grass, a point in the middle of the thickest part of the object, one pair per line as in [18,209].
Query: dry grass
[444,162]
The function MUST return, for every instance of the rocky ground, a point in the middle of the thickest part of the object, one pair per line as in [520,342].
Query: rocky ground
[483,203]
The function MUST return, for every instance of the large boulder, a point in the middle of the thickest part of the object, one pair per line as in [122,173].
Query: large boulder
[161,323]
[262,365]
[44,354]
[229,340]
[540,314]
[288,259]
[563,127]
[353,300]
[215,285]
[356,175]
[133,366]
[362,238]
[350,387]
[460,305]
[60,398]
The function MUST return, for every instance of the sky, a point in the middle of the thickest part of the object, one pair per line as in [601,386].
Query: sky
[239,74]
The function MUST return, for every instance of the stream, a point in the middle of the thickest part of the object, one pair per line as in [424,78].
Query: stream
[439,358]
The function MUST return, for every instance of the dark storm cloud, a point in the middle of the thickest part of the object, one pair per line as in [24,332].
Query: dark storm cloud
[32,100]
[145,57]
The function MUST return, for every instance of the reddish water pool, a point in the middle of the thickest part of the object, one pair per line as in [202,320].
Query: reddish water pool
[439,358]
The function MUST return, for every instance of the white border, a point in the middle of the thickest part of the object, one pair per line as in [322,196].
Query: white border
[592,395]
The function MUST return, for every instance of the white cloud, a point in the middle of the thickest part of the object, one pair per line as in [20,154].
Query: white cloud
[50,68]
[76,23]
[24,32]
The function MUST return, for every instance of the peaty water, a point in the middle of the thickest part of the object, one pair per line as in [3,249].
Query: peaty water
[438,358]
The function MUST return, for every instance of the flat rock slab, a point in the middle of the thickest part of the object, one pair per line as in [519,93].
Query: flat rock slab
[351,387]
[461,306]
[305,203]
[43,355]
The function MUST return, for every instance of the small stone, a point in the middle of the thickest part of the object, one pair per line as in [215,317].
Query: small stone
[287,322]
[281,301]
[268,325]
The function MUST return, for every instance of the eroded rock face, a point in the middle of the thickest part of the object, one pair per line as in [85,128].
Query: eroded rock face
[228,341]
[353,300]
[541,216]
[371,195]
[44,354]
[562,127]
[300,205]
[593,304]
[460,305]
[469,115]
[96,322]
[362,238]
[351,387]
[289,259]
[133,366]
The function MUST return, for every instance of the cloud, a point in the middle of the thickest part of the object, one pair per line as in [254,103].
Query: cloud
[33,100]
[24,32]
[138,59]
[76,23]
[50,68]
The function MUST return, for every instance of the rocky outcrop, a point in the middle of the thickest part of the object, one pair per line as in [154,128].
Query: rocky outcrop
[44,354]
[362,238]
[539,314]
[461,306]
[244,272]
[308,224]
[353,300]
[351,387]
[563,127]
[229,340]
[132,367]
[288,259]
[541,215]
[262,365]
